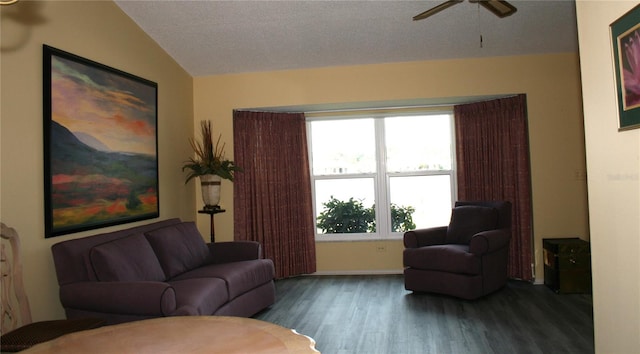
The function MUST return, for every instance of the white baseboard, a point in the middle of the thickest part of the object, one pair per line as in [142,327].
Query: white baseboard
[360,272]
[380,272]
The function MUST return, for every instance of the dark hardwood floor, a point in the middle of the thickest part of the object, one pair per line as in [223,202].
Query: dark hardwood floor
[375,314]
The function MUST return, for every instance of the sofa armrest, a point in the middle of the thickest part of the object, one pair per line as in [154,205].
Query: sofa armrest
[489,241]
[425,237]
[235,251]
[147,298]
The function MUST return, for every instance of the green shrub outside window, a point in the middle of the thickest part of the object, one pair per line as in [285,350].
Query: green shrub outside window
[351,216]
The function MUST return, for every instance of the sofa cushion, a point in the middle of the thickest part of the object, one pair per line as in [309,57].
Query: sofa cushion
[446,258]
[199,297]
[468,220]
[179,248]
[71,257]
[239,277]
[129,258]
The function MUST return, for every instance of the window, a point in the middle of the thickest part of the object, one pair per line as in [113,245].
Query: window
[375,177]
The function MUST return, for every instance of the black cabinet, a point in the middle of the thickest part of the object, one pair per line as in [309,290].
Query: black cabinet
[567,265]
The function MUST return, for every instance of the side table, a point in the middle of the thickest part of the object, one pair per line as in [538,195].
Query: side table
[213,211]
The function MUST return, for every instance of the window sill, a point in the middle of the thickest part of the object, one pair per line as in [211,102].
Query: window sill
[358,238]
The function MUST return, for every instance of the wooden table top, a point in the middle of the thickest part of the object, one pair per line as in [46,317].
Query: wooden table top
[188,334]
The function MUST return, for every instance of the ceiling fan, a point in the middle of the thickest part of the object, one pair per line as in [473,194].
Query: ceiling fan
[500,8]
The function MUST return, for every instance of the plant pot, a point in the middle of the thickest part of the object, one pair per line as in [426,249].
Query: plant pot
[210,187]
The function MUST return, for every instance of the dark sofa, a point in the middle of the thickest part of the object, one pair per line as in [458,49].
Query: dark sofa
[161,269]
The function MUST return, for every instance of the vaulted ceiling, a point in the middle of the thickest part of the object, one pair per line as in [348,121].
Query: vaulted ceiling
[220,37]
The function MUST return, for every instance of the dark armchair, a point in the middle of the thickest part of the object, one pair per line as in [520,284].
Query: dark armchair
[467,259]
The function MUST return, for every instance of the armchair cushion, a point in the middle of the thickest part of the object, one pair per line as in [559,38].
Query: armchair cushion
[126,259]
[179,248]
[447,258]
[468,220]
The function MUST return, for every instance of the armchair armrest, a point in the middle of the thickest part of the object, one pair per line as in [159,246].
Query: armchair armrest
[147,298]
[425,237]
[489,241]
[235,251]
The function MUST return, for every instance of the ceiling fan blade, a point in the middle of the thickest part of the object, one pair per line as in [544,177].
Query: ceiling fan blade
[436,9]
[500,8]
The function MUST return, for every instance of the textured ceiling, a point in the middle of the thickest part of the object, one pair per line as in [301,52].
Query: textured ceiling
[219,37]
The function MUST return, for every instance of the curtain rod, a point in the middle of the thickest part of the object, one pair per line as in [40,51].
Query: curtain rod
[407,107]
[385,108]
[310,110]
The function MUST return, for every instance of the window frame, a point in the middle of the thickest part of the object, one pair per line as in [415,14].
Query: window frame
[381,177]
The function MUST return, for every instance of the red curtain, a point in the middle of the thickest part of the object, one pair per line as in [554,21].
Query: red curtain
[272,196]
[492,151]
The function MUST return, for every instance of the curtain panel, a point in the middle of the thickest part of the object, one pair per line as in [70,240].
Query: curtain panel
[272,195]
[492,152]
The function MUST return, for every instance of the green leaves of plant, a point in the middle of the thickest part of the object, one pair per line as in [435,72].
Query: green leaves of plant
[351,216]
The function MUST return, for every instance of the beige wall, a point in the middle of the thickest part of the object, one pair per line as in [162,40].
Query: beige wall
[552,85]
[614,186]
[99,31]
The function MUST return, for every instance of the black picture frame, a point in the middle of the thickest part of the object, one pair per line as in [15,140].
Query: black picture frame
[100,145]
[625,43]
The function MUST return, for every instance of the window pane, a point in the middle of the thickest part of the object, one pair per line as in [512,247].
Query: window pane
[418,143]
[343,146]
[345,205]
[430,196]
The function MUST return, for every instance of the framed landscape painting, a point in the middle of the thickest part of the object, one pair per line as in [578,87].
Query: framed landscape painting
[100,145]
[625,40]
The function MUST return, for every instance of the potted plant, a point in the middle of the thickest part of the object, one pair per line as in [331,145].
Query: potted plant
[210,165]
